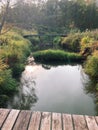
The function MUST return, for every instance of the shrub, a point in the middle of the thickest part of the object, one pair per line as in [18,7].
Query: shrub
[8,84]
[34,40]
[17,69]
[91,66]
[86,42]
[56,42]
[15,52]
[72,42]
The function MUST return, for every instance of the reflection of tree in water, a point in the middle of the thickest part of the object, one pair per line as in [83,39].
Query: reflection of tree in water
[48,67]
[3,101]
[26,96]
[90,88]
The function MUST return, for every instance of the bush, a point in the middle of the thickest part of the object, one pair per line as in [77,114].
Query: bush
[86,42]
[91,66]
[34,40]
[72,42]
[17,69]
[8,85]
[13,53]
[56,42]
[80,41]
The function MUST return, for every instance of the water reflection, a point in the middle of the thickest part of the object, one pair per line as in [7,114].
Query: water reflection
[26,97]
[54,88]
[90,88]
[60,89]
[3,101]
[48,67]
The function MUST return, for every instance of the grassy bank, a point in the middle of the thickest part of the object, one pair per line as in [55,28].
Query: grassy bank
[91,68]
[81,41]
[86,43]
[14,50]
[57,55]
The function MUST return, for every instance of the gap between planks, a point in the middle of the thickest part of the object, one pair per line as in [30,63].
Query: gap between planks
[27,120]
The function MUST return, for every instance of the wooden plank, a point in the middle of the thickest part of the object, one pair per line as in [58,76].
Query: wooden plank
[8,124]
[96,118]
[67,122]
[91,123]
[46,121]
[56,121]
[3,114]
[22,120]
[79,122]
[35,121]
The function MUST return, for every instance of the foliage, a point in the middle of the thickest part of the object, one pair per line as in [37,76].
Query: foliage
[13,53]
[81,41]
[89,42]
[91,66]
[7,83]
[16,50]
[86,41]
[3,66]
[54,15]
[71,42]
[34,40]
[56,55]
[56,42]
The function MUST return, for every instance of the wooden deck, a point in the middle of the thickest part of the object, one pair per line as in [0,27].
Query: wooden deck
[27,120]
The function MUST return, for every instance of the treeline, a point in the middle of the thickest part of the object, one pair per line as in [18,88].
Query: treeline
[54,15]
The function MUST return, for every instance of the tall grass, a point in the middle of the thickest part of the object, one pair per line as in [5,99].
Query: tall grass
[14,50]
[56,55]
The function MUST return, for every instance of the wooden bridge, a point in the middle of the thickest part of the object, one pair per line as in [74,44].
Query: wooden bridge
[40,35]
[49,43]
[27,120]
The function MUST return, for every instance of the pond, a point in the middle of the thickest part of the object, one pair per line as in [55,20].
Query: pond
[59,88]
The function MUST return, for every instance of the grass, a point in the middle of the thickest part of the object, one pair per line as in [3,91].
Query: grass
[57,55]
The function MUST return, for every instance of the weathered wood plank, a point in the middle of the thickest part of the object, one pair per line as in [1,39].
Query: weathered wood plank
[91,123]
[96,118]
[26,120]
[22,120]
[79,122]
[8,124]
[46,121]
[67,122]
[56,121]
[3,114]
[35,121]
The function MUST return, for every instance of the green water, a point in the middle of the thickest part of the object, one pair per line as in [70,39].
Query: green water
[55,89]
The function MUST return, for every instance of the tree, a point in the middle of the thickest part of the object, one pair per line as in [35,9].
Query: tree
[4,12]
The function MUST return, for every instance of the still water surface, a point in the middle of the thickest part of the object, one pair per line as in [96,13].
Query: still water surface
[55,89]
